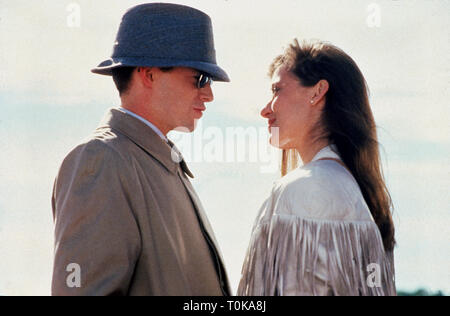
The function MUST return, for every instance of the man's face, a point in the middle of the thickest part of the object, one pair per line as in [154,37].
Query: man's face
[181,102]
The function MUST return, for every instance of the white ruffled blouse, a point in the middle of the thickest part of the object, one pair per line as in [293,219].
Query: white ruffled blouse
[315,235]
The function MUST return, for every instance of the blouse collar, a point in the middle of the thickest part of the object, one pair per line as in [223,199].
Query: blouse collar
[329,151]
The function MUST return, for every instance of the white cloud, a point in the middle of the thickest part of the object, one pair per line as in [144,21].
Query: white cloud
[26,248]
[422,253]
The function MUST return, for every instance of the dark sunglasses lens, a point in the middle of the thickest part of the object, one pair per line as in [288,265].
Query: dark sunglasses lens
[203,80]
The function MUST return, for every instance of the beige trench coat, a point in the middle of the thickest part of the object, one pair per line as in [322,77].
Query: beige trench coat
[128,216]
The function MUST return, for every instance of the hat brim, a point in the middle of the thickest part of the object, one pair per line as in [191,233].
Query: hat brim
[105,67]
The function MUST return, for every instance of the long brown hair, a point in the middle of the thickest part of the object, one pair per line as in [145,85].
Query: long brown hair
[347,120]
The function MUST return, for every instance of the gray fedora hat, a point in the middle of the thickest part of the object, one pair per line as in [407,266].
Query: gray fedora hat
[164,35]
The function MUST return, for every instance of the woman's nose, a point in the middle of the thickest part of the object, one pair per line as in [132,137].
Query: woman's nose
[267,110]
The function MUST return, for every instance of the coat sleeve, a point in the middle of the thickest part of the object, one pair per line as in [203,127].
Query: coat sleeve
[97,239]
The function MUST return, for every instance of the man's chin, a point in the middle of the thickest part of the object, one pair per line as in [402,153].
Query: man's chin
[188,128]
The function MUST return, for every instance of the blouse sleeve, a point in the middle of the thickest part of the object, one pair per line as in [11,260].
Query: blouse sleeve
[292,255]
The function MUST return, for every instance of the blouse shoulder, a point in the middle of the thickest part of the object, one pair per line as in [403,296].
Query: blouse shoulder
[323,190]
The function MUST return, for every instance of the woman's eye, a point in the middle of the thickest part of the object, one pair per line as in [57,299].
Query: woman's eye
[275,90]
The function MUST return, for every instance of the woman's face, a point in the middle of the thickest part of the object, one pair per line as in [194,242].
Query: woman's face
[291,116]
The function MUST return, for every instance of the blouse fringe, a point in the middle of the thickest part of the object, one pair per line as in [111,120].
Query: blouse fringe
[289,255]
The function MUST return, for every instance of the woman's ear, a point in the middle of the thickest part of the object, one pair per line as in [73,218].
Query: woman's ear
[320,90]
[323,87]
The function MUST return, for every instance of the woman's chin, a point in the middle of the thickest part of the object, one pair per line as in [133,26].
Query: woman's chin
[274,140]
[280,143]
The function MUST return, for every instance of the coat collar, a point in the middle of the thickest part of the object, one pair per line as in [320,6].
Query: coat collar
[143,136]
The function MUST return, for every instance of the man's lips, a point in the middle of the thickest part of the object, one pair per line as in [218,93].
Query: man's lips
[199,110]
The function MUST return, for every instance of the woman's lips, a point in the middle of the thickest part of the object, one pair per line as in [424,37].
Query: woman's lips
[271,121]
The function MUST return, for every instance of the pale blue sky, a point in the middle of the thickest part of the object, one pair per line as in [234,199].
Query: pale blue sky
[50,101]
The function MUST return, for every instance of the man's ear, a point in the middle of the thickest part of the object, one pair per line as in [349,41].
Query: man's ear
[146,76]
[320,90]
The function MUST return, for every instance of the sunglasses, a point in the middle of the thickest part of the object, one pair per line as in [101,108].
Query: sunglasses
[203,80]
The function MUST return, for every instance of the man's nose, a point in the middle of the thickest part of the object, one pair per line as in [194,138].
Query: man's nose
[267,110]
[206,93]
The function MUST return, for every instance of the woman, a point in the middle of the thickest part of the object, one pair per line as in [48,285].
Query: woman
[326,228]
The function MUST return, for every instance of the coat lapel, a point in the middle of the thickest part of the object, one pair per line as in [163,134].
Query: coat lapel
[170,157]
[209,234]
[204,222]
[142,135]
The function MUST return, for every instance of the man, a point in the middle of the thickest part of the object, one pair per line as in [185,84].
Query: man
[127,219]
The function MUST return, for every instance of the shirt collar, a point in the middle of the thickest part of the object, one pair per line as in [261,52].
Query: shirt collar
[146,122]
